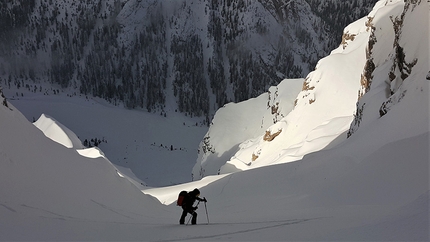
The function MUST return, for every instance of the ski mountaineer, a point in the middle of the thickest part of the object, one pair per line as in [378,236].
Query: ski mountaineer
[188,205]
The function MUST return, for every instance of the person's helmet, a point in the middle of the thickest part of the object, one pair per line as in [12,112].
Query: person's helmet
[196,192]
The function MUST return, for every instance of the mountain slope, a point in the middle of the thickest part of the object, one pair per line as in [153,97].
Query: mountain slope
[50,192]
[372,186]
[44,183]
[160,150]
[362,69]
[166,56]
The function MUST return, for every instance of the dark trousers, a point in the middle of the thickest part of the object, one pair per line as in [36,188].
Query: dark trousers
[185,211]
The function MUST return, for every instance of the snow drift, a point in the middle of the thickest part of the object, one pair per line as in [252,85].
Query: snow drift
[58,132]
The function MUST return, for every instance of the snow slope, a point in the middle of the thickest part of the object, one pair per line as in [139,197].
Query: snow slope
[44,183]
[326,102]
[134,140]
[349,192]
[372,186]
[58,132]
[326,106]
[237,122]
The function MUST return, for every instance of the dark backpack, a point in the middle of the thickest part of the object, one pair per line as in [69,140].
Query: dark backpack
[181,198]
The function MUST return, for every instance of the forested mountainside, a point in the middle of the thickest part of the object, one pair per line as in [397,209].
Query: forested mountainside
[191,56]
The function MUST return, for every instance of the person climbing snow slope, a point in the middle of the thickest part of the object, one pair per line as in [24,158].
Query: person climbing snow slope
[188,205]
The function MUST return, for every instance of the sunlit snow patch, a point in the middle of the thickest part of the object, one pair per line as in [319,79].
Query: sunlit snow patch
[58,132]
[92,152]
[168,195]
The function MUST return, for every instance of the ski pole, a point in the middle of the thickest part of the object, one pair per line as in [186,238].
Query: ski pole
[207,216]
[189,219]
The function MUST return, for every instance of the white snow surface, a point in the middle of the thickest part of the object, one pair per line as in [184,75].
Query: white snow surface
[237,122]
[58,132]
[373,186]
[135,140]
[323,110]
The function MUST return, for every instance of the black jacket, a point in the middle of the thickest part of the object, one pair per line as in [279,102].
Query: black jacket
[190,199]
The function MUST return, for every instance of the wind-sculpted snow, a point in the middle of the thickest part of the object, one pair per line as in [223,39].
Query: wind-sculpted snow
[241,122]
[58,132]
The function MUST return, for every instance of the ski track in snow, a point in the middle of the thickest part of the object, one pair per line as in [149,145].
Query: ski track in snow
[8,208]
[276,224]
[58,216]
[109,209]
